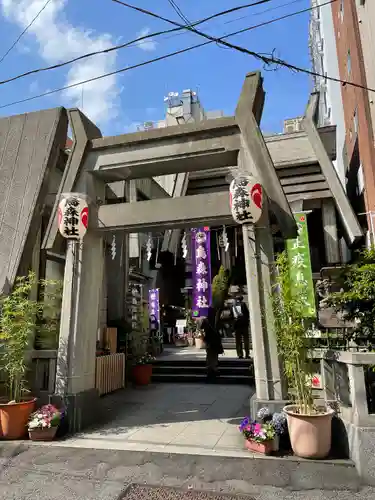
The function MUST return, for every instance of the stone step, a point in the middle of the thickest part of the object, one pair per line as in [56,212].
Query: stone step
[230,362]
[198,369]
[199,378]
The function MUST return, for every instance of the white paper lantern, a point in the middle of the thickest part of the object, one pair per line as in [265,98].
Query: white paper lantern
[73,216]
[246,199]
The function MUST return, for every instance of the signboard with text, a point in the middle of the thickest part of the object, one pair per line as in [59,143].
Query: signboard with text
[298,250]
[201,272]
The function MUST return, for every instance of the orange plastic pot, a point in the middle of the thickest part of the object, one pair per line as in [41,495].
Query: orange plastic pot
[14,418]
[142,374]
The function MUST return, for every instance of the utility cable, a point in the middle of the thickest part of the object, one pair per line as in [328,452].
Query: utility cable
[132,42]
[262,57]
[179,12]
[187,49]
[24,31]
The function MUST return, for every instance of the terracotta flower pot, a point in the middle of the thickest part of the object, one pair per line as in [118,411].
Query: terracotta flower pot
[14,418]
[310,435]
[266,448]
[47,434]
[199,343]
[142,374]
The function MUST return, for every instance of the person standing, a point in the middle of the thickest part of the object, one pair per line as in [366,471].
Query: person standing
[213,343]
[241,327]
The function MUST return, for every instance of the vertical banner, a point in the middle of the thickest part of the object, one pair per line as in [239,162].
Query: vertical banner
[201,272]
[153,304]
[298,250]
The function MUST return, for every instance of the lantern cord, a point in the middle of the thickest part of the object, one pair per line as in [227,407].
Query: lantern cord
[218,247]
[157,251]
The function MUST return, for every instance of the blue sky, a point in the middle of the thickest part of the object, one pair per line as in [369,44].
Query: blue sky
[69,28]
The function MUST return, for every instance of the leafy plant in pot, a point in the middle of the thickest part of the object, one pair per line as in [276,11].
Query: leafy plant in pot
[309,427]
[142,369]
[20,322]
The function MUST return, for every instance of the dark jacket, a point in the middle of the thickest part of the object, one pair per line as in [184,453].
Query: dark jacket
[212,337]
[243,320]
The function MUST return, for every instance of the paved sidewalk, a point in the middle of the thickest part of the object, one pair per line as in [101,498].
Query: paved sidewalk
[175,418]
[51,473]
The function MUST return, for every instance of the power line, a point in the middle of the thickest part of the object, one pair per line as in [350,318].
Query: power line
[187,49]
[256,55]
[264,58]
[179,12]
[132,42]
[24,31]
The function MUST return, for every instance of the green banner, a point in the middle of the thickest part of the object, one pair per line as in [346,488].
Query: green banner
[298,250]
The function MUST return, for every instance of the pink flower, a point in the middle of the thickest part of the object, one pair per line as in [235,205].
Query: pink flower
[257,428]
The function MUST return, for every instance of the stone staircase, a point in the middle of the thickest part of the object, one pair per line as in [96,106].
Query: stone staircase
[232,371]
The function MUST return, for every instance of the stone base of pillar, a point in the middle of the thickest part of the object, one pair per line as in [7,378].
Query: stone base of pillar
[274,405]
[82,410]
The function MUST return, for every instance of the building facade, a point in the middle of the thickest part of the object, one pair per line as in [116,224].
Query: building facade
[323,51]
[359,155]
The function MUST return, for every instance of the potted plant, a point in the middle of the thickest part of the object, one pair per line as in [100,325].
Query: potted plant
[199,340]
[21,320]
[181,339]
[259,437]
[309,426]
[142,369]
[44,422]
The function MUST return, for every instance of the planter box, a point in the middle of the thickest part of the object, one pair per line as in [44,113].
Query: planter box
[265,448]
[142,374]
[43,434]
[200,344]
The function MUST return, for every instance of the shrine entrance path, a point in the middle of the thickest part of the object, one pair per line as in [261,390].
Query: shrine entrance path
[197,419]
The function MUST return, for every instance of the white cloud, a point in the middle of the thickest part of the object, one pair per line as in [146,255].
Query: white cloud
[59,40]
[149,44]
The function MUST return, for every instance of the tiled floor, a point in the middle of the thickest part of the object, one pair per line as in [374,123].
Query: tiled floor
[180,418]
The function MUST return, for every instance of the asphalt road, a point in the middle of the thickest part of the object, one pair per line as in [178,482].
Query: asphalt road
[61,473]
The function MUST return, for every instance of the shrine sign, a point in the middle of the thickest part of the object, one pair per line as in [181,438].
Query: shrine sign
[298,251]
[246,199]
[153,304]
[201,271]
[73,216]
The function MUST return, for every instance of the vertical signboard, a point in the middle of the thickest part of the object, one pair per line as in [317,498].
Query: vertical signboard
[153,304]
[298,250]
[201,271]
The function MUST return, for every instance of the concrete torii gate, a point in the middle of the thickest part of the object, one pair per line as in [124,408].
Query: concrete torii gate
[223,142]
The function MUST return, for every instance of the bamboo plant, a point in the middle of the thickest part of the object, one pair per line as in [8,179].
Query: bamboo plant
[21,321]
[290,325]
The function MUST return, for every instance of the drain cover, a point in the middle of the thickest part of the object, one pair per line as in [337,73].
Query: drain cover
[140,492]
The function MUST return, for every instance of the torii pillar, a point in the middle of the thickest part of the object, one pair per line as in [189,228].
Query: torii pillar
[254,159]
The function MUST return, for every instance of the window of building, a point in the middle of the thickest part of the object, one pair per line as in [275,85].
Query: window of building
[362,2]
[349,63]
[341,11]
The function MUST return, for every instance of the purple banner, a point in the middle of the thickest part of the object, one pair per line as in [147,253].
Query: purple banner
[153,304]
[201,270]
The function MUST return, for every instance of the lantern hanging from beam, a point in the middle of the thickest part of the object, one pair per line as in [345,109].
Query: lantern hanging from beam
[73,216]
[246,199]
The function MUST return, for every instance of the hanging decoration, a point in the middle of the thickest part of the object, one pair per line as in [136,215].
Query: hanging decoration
[235,242]
[73,216]
[184,246]
[113,247]
[149,248]
[201,260]
[225,239]
[153,304]
[246,199]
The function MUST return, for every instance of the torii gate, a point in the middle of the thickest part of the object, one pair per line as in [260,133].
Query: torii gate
[222,142]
